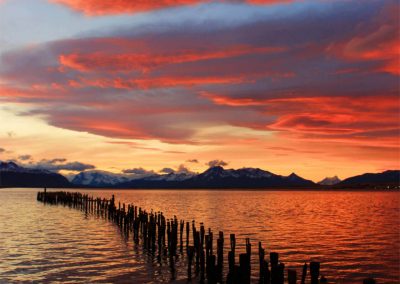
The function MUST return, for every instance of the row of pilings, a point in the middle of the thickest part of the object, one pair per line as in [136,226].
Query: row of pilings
[165,236]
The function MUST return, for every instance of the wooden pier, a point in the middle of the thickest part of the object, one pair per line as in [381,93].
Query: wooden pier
[163,236]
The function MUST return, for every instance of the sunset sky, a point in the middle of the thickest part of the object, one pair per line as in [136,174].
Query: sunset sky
[310,87]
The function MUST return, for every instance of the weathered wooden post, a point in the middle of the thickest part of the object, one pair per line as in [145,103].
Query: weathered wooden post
[292,276]
[208,253]
[182,226]
[211,270]
[202,264]
[187,234]
[198,249]
[304,274]
[281,273]
[261,255]
[202,234]
[314,272]
[220,254]
[267,273]
[244,268]
[190,252]
[274,260]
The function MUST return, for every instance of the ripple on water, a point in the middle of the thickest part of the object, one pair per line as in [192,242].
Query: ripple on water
[353,234]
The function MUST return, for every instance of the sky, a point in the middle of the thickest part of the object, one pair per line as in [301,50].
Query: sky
[310,87]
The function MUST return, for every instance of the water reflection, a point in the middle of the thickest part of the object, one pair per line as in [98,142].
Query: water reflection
[353,234]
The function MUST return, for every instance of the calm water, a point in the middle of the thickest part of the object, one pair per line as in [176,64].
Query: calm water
[352,234]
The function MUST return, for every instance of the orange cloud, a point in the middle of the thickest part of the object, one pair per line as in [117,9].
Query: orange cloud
[236,102]
[375,47]
[331,118]
[145,61]
[376,41]
[26,94]
[157,82]
[109,7]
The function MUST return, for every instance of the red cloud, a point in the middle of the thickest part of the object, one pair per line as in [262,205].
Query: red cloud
[28,94]
[331,118]
[141,61]
[157,82]
[146,86]
[382,46]
[109,7]
[377,41]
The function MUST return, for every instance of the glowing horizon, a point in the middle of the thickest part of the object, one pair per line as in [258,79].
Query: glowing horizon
[310,87]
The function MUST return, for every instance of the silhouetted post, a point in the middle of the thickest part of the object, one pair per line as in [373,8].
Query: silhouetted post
[261,255]
[304,274]
[231,260]
[187,234]
[248,253]
[292,276]
[194,235]
[244,262]
[211,270]
[169,237]
[202,264]
[211,245]
[198,249]
[202,234]
[274,259]
[220,254]
[190,252]
[231,254]
[208,250]
[182,226]
[281,273]
[314,272]
[172,267]
[267,273]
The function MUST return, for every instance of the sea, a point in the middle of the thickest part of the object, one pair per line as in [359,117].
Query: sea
[353,234]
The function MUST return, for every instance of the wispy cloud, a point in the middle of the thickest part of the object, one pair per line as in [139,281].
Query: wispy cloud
[107,7]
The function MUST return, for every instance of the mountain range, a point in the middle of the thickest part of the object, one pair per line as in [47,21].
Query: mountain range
[13,175]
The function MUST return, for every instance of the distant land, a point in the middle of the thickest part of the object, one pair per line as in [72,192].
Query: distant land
[13,175]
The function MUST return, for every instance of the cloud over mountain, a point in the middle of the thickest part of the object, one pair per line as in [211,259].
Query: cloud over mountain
[137,171]
[58,164]
[216,163]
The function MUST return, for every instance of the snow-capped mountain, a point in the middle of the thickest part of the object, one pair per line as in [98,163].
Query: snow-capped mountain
[13,175]
[10,166]
[330,180]
[218,177]
[13,167]
[98,178]
[220,172]
[104,178]
[170,177]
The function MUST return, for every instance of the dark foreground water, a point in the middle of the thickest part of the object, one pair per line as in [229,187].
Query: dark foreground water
[353,234]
